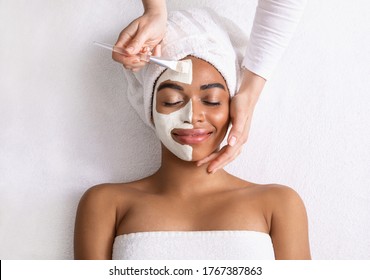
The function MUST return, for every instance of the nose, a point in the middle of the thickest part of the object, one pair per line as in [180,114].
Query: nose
[192,113]
[187,112]
[198,112]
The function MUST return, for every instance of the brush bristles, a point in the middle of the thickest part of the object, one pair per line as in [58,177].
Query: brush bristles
[183,66]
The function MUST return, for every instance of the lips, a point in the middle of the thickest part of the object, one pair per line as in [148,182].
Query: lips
[190,136]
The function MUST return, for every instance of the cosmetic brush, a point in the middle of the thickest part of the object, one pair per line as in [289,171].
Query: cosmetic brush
[178,66]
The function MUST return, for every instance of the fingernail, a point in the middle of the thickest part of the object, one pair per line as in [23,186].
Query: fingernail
[130,49]
[213,171]
[232,141]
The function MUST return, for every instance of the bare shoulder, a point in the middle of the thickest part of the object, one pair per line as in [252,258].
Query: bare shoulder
[100,197]
[273,198]
[96,219]
[274,194]
[99,193]
[277,202]
[109,195]
[282,191]
[279,196]
[98,202]
[288,223]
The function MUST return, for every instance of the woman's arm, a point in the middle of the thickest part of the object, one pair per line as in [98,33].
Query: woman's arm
[95,225]
[274,25]
[289,226]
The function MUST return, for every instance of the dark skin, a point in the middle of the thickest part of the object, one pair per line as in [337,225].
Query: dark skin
[181,196]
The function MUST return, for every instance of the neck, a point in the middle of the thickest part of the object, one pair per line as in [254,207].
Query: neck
[179,177]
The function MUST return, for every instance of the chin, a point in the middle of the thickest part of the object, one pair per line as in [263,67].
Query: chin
[200,156]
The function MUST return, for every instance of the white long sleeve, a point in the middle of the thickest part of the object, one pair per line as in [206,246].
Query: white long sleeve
[274,24]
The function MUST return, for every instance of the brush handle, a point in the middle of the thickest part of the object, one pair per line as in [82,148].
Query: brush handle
[172,64]
[111,47]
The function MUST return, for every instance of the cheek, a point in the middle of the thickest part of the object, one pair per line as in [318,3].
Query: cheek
[220,118]
[181,118]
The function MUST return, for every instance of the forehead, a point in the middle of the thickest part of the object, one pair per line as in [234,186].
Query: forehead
[202,73]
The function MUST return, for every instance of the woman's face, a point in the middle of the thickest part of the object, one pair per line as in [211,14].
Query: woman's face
[191,120]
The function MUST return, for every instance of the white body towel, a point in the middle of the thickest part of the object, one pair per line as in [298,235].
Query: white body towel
[191,245]
[274,24]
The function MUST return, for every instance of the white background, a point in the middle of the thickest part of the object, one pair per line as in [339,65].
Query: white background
[65,122]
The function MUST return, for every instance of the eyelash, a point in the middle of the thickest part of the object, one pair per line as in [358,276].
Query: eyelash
[212,103]
[169,104]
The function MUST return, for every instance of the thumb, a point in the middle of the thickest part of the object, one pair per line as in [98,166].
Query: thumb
[135,44]
[236,131]
[123,40]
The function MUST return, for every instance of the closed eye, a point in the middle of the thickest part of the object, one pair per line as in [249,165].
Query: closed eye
[210,103]
[169,104]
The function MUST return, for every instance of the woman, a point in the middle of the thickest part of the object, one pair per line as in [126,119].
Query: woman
[274,25]
[182,211]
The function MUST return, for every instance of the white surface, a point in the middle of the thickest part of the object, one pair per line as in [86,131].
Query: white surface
[66,124]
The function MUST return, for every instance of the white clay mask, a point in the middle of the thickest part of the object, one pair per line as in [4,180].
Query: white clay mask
[181,119]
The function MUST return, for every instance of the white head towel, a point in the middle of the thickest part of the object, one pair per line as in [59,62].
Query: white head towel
[197,32]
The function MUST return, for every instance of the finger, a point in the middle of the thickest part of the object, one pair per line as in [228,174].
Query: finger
[238,137]
[157,50]
[134,61]
[236,131]
[234,148]
[135,45]
[208,159]
[120,55]
[131,61]
[123,39]
[226,156]
[138,66]
[120,58]
[213,169]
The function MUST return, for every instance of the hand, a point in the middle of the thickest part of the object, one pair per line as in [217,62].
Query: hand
[241,113]
[142,36]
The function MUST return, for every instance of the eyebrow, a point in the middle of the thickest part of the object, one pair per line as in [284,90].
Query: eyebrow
[170,85]
[180,88]
[213,85]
